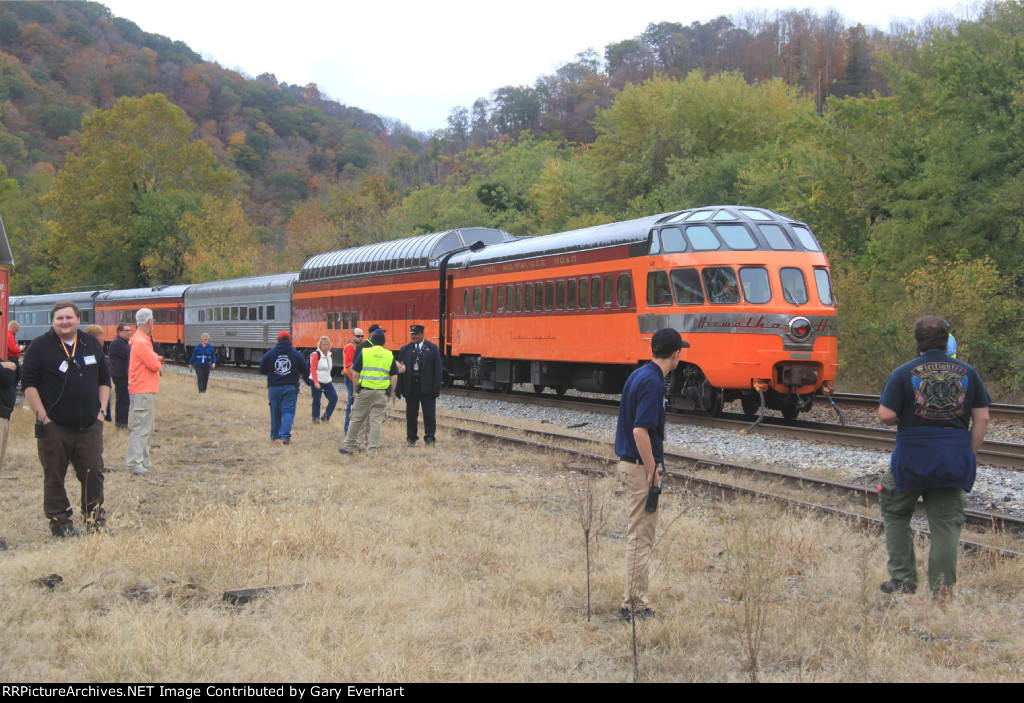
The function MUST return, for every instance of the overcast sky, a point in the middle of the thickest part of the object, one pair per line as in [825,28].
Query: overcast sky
[415,61]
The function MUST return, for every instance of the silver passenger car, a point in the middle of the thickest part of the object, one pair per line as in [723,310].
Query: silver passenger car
[33,311]
[243,316]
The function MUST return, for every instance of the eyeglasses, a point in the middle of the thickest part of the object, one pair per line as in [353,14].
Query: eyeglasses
[359,336]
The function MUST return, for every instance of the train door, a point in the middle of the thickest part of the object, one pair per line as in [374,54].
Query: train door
[403,313]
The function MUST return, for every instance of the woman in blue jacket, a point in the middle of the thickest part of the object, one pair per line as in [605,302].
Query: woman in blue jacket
[203,359]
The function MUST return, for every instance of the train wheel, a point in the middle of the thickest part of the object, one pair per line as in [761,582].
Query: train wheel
[537,389]
[712,400]
[790,408]
[560,390]
[751,405]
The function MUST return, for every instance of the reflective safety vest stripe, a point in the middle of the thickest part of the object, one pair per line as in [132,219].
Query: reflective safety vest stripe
[376,368]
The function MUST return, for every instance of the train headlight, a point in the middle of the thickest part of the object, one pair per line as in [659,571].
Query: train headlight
[798,329]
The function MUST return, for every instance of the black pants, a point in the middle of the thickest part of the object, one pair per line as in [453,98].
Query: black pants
[121,403]
[413,401]
[202,376]
[83,449]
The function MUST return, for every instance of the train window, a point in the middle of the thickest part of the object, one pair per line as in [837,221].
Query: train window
[560,295]
[702,238]
[724,216]
[584,293]
[202,315]
[270,312]
[501,298]
[720,282]
[686,284]
[624,290]
[672,240]
[806,238]
[698,216]
[595,292]
[252,313]
[465,303]
[528,298]
[342,318]
[87,316]
[658,292]
[609,291]
[225,314]
[519,297]
[538,296]
[654,246]
[173,317]
[570,294]
[776,237]
[737,237]
[794,288]
[354,319]
[261,312]
[234,313]
[756,214]
[509,297]
[549,295]
[478,300]
[756,288]
[330,321]
[490,300]
[209,315]
[243,313]
[821,279]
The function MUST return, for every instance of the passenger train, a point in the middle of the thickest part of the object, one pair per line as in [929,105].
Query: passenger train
[748,288]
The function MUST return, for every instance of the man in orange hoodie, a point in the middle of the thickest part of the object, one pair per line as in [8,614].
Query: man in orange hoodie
[143,384]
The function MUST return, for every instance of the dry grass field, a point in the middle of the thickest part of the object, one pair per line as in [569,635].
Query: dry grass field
[460,563]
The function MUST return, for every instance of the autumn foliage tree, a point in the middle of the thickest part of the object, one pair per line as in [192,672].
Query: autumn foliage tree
[107,223]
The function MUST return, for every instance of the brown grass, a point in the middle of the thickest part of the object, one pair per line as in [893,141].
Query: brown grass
[463,563]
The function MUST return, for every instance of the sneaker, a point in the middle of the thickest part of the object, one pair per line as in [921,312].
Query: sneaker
[344,451]
[65,530]
[411,442]
[429,441]
[897,586]
[286,441]
[139,470]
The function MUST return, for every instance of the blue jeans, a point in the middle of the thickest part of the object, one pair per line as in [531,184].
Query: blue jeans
[282,410]
[326,389]
[351,395]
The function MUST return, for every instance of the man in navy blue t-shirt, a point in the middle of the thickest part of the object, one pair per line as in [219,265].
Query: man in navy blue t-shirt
[940,407]
[639,438]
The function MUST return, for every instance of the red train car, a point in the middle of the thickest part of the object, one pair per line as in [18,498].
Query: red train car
[114,307]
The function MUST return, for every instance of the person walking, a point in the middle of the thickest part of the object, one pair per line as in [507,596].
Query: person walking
[144,366]
[349,356]
[374,374]
[419,382]
[940,407]
[320,364]
[283,367]
[67,384]
[639,438]
[203,360]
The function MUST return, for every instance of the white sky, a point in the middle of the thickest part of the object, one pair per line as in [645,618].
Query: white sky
[415,61]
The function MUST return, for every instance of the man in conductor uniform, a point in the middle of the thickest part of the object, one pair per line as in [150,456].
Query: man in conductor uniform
[420,384]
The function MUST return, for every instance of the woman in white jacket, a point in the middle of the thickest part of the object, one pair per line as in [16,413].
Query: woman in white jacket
[320,363]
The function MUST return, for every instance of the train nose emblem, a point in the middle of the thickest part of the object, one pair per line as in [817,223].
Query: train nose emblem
[798,329]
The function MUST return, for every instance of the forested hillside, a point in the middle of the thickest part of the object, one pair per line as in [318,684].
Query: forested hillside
[131,161]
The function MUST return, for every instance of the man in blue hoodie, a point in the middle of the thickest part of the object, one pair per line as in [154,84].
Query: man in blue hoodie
[283,367]
[940,407]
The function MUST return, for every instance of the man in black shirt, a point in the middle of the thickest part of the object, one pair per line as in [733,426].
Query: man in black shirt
[67,385]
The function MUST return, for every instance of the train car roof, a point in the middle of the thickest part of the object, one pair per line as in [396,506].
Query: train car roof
[399,255]
[277,281]
[142,293]
[82,296]
[613,234]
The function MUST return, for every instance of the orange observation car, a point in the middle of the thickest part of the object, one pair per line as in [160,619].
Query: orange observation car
[748,288]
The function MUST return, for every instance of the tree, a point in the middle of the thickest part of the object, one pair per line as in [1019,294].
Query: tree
[105,220]
[222,242]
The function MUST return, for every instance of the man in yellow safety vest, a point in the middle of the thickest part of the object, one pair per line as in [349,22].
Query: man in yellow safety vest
[374,375]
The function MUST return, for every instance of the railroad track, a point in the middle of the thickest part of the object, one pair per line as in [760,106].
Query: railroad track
[1000,412]
[1001,534]
[1001,454]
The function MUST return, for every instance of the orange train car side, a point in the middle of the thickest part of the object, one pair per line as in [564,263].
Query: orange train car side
[114,307]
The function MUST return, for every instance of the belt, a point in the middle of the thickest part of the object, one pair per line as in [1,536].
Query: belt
[367,388]
[631,460]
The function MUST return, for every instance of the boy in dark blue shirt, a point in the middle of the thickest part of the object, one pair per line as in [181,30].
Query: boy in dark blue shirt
[639,438]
